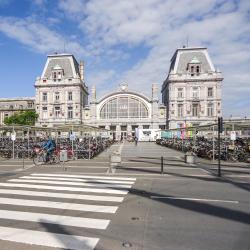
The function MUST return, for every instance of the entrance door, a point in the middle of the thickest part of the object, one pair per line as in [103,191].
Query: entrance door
[123,135]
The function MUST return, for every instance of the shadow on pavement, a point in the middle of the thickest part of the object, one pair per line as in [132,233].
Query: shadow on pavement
[197,206]
[55,228]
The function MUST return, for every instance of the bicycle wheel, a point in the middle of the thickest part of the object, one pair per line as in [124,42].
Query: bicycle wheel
[38,160]
[55,159]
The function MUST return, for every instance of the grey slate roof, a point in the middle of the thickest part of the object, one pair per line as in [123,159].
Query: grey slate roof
[188,56]
[64,63]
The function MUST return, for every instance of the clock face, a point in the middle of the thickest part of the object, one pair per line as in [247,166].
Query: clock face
[124,87]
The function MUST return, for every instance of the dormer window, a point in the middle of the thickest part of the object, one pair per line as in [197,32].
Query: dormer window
[194,67]
[57,73]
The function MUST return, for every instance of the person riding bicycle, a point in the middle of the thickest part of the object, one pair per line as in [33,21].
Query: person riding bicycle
[50,147]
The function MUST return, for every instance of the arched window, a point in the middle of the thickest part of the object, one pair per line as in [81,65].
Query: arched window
[124,107]
[197,69]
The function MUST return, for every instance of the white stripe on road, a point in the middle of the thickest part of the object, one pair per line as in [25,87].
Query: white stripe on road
[77,180]
[73,189]
[55,219]
[62,195]
[48,239]
[88,177]
[70,183]
[191,199]
[59,205]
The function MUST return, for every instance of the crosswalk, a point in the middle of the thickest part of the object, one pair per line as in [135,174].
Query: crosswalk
[59,210]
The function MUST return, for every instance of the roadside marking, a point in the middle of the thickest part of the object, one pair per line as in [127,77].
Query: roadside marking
[62,195]
[87,176]
[10,165]
[77,180]
[191,199]
[48,239]
[69,183]
[97,167]
[59,205]
[240,176]
[233,168]
[74,189]
[55,219]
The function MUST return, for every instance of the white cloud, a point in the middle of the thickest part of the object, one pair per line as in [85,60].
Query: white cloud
[37,36]
[163,26]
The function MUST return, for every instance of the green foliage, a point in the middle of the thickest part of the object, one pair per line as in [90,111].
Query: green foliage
[22,118]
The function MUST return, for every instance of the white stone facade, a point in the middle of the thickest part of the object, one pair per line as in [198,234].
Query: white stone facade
[192,90]
[61,93]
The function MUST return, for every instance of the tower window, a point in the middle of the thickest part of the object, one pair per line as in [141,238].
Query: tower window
[195,109]
[45,97]
[180,110]
[180,92]
[57,111]
[70,112]
[210,92]
[70,96]
[210,109]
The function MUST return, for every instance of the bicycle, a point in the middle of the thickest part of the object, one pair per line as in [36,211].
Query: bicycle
[40,157]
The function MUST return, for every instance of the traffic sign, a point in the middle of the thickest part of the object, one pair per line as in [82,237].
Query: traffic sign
[233,135]
[72,137]
[13,135]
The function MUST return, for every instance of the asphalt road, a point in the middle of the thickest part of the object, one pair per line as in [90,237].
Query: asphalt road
[83,205]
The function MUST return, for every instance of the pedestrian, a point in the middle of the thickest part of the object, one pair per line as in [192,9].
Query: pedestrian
[136,141]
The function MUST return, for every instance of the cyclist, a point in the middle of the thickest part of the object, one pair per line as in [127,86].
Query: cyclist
[50,147]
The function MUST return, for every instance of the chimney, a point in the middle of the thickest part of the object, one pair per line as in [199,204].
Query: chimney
[81,69]
[155,92]
[93,94]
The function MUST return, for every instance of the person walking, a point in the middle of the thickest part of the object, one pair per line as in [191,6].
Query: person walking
[136,141]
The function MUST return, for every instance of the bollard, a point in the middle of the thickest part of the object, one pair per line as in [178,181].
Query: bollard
[162,165]
[23,158]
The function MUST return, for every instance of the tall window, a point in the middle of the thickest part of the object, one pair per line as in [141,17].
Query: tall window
[197,70]
[180,110]
[192,70]
[180,93]
[57,111]
[54,76]
[195,92]
[57,96]
[44,112]
[70,112]
[45,97]
[210,92]
[70,96]
[210,109]
[195,109]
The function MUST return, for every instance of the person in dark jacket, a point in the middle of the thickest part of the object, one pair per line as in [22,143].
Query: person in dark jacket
[50,147]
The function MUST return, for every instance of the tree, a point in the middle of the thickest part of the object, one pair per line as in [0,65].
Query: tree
[22,118]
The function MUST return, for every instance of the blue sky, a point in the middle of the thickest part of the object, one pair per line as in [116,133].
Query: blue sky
[128,41]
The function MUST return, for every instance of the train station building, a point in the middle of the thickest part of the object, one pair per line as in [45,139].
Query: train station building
[191,96]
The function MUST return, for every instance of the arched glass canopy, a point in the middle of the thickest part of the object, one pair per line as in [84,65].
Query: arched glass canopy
[124,107]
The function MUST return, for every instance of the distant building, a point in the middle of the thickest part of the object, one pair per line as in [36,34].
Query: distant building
[9,106]
[61,93]
[192,90]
